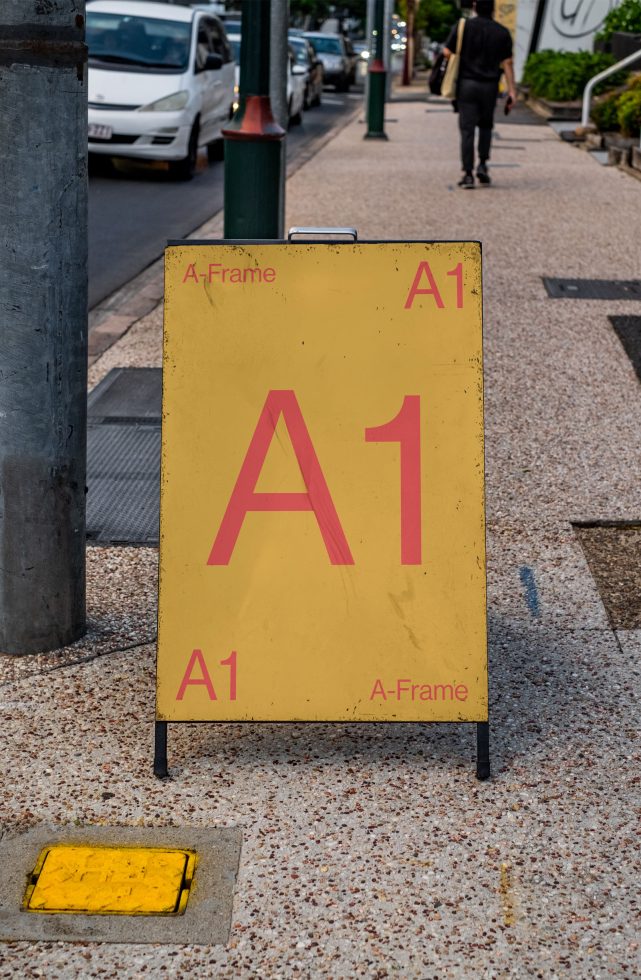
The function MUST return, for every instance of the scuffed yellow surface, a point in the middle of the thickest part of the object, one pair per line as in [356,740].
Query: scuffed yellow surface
[109,880]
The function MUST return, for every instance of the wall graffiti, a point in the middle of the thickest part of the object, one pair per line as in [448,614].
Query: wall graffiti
[578,18]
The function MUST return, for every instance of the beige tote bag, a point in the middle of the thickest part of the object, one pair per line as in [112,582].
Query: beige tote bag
[448,88]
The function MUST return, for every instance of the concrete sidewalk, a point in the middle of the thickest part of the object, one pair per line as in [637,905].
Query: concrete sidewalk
[372,851]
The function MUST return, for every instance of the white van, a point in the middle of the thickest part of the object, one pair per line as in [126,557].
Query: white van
[161,81]
[296,80]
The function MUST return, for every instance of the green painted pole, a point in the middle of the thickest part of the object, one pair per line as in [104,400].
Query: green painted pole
[377,80]
[253,139]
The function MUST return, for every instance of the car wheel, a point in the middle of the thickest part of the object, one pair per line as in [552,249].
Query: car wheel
[342,85]
[99,165]
[216,151]
[186,168]
[293,120]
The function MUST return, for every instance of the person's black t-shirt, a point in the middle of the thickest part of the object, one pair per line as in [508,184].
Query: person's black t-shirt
[486,45]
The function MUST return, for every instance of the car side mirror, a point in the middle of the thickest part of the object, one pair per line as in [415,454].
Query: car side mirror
[213,62]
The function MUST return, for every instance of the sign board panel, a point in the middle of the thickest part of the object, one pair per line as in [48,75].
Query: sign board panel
[322,545]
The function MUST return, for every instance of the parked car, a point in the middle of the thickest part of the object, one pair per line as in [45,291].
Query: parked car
[232,23]
[307,58]
[296,76]
[295,81]
[161,81]
[361,50]
[234,43]
[338,57]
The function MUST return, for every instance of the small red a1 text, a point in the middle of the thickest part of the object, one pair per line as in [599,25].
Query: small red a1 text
[197,674]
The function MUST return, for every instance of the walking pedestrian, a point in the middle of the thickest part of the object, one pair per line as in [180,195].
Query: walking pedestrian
[485,52]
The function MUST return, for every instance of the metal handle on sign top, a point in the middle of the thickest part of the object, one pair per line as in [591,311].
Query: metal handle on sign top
[349,232]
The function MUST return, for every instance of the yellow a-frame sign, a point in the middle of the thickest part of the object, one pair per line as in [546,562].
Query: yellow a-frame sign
[322,548]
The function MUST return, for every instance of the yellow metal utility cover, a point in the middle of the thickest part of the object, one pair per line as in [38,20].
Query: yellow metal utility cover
[322,550]
[110,880]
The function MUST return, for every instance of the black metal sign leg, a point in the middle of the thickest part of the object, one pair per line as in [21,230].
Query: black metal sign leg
[160,750]
[482,750]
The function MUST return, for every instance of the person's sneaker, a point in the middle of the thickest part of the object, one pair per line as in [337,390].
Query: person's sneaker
[482,174]
[467,181]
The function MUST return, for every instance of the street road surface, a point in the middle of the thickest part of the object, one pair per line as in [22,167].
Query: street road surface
[134,209]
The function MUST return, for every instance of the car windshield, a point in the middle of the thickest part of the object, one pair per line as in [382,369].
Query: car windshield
[301,52]
[327,45]
[119,39]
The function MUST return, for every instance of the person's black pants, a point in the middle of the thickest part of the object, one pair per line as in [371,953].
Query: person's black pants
[476,103]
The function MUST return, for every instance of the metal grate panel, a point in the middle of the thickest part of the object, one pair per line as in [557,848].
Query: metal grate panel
[628,330]
[593,288]
[123,476]
[127,394]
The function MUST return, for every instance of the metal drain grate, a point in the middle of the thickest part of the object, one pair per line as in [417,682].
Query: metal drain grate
[127,394]
[593,288]
[628,330]
[123,457]
[128,878]
[123,476]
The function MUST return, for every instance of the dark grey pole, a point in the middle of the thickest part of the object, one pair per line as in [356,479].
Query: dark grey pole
[278,61]
[43,323]
[278,88]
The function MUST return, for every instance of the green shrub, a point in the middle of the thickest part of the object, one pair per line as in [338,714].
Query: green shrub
[562,75]
[625,17]
[629,112]
[620,110]
[605,113]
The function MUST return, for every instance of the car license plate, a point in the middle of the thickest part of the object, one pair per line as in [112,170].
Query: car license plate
[99,132]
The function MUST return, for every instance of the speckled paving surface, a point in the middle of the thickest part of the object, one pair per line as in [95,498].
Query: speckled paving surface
[372,851]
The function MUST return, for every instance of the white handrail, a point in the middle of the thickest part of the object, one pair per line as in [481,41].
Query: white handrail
[587,92]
